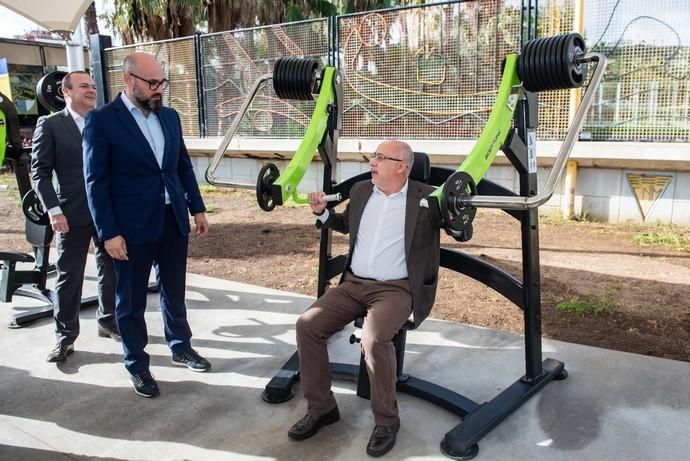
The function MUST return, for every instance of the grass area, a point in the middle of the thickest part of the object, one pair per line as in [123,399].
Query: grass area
[8,187]
[207,188]
[590,305]
[667,236]
[212,208]
[557,218]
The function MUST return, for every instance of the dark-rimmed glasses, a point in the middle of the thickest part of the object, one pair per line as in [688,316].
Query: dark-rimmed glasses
[153,84]
[380,157]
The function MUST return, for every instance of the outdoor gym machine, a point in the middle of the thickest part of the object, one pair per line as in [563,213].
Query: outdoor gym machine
[558,62]
[301,79]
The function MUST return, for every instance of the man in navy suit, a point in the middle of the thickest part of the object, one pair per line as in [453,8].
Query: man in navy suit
[140,186]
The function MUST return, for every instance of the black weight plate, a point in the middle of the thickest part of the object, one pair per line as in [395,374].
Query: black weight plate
[539,64]
[579,70]
[525,59]
[277,78]
[281,89]
[558,61]
[533,66]
[310,73]
[33,209]
[283,78]
[49,91]
[550,60]
[303,81]
[459,184]
[290,78]
[316,76]
[267,176]
[573,72]
[566,60]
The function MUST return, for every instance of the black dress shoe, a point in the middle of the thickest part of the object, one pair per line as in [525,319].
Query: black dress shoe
[105,332]
[60,353]
[144,384]
[192,360]
[308,426]
[382,439]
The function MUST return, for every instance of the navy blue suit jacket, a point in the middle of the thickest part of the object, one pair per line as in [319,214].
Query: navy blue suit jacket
[125,186]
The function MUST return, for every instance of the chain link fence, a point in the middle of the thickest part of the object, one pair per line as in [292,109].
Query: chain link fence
[429,72]
[179,65]
[231,63]
[432,71]
[645,95]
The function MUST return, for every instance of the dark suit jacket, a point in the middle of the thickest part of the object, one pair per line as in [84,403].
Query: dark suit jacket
[124,184]
[422,240]
[57,147]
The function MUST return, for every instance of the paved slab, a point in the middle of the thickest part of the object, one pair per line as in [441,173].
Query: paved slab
[613,406]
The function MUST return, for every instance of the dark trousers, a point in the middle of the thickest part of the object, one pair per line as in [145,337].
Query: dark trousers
[72,250]
[169,253]
[387,306]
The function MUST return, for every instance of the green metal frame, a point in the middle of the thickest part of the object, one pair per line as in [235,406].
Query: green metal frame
[296,169]
[482,155]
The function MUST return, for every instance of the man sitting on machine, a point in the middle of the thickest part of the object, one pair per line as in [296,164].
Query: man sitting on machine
[391,272]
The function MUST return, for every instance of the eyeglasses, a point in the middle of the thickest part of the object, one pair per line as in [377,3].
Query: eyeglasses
[380,157]
[153,84]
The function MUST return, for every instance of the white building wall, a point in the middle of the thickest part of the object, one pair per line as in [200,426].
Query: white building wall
[602,189]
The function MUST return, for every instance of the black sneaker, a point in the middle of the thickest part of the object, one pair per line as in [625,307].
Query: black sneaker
[144,384]
[60,352]
[192,360]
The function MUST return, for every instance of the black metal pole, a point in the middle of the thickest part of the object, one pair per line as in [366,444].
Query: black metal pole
[98,66]
[200,93]
[526,122]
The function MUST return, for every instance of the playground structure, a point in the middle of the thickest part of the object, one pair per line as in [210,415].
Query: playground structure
[551,63]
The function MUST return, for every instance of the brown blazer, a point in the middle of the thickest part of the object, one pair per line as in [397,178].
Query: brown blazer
[422,240]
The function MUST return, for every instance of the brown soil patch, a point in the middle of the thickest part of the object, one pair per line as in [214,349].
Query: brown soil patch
[642,291]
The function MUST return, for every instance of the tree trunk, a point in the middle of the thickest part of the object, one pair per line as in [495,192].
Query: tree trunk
[91,19]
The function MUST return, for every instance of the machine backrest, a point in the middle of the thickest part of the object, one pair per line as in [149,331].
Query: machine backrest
[421,168]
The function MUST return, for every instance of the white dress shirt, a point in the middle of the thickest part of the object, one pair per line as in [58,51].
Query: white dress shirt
[150,126]
[379,251]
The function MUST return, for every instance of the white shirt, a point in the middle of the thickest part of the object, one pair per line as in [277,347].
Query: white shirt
[79,120]
[150,126]
[379,251]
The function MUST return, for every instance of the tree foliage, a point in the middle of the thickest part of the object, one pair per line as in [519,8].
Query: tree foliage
[147,20]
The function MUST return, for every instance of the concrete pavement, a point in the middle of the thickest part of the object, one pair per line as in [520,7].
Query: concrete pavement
[613,406]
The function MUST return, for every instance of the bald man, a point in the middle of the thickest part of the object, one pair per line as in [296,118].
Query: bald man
[141,190]
[391,273]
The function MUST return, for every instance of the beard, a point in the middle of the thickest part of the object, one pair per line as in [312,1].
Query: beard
[152,104]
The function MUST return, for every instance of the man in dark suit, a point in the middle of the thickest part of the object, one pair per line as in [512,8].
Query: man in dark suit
[57,149]
[391,272]
[140,187]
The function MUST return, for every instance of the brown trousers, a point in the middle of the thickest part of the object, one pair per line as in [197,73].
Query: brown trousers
[387,306]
